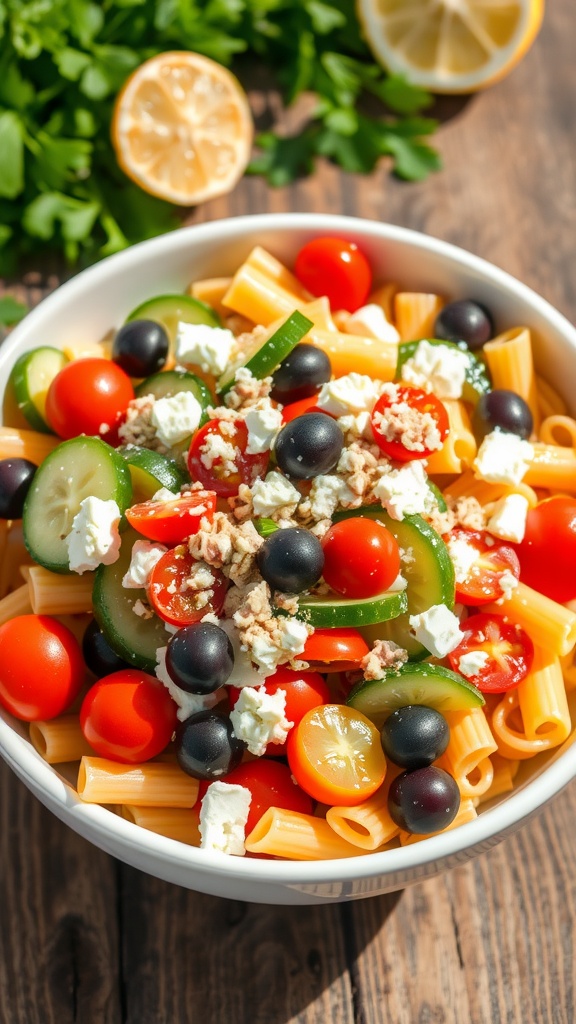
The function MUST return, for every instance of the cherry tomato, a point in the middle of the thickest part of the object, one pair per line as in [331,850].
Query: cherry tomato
[170,595]
[172,521]
[336,756]
[128,716]
[221,475]
[425,411]
[271,785]
[294,409]
[494,558]
[41,667]
[304,691]
[510,652]
[336,268]
[548,552]
[361,557]
[88,396]
[335,650]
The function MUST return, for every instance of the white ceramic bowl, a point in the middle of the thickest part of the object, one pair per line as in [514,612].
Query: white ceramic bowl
[99,298]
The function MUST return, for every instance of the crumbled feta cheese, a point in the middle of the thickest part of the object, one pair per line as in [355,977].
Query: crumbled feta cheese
[244,672]
[471,664]
[144,556]
[142,610]
[507,583]
[176,417]
[273,493]
[326,493]
[223,816]
[210,348]
[259,718]
[508,519]
[188,703]
[437,629]
[359,425]
[94,538]
[352,393]
[405,491]
[294,635]
[370,322]
[216,448]
[502,458]
[463,557]
[164,495]
[263,421]
[437,368]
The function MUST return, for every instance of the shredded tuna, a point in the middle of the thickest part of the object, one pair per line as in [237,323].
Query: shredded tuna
[385,655]
[247,390]
[270,640]
[468,512]
[138,428]
[227,546]
[416,431]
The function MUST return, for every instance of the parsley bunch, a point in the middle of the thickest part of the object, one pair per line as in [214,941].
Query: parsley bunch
[62,63]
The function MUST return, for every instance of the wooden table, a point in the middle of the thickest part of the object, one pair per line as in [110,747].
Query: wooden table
[84,938]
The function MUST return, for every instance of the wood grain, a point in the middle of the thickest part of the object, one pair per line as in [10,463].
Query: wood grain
[85,939]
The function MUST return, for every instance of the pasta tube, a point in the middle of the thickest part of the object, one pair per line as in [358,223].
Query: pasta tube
[559,430]
[459,448]
[511,364]
[173,822]
[145,785]
[466,812]
[548,624]
[415,314]
[297,836]
[16,603]
[505,772]
[542,700]
[59,740]
[52,594]
[467,756]
[552,467]
[367,825]
[26,444]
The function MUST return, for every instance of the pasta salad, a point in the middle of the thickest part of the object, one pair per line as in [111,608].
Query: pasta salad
[287,563]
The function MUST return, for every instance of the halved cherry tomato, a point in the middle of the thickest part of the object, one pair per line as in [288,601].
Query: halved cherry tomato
[217,472]
[41,667]
[548,552]
[304,691]
[170,595]
[361,557]
[294,409]
[271,785]
[493,559]
[427,413]
[128,716]
[337,268]
[336,756]
[335,650]
[172,521]
[510,652]
[88,396]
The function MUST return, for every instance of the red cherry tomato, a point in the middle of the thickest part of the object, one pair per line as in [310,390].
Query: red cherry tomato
[271,785]
[493,559]
[548,552]
[335,650]
[88,396]
[336,268]
[128,716]
[509,651]
[41,667]
[294,409]
[222,475]
[361,557]
[393,424]
[170,595]
[172,521]
[304,691]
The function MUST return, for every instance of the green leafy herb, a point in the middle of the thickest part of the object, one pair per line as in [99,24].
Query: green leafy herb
[62,63]
[11,311]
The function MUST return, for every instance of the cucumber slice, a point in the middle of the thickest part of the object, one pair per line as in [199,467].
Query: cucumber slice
[477,381]
[442,506]
[262,358]
[31,376]
[330,612]
[432,685]
[150,471]
[170,310]
[135,639]
[75,470]
[171,382]
[428,571]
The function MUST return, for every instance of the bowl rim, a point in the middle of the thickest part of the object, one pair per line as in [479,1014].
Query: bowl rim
[106,828]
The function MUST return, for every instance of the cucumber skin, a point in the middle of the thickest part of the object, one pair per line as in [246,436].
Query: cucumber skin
[434,674]
[329,615]
[20,385]
[136,458]
[296,326]
[209,315]
[477,381]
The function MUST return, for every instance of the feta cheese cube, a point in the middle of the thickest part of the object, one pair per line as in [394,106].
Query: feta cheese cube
[94,538]
[273,493]
[263,421]
[370,322]
[353,393]
[463,557]
[165,495]
[223,816]
[437,629]
[358,425]
[144,556]
[326,493]
[405,491]
[437,368]
[259,718]
[471,664]
[210,348]
[508,519]
[176,417]
[502,458]
[188,703]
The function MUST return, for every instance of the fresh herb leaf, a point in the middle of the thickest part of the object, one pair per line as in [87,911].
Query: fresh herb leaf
[11,311]
[11,155]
